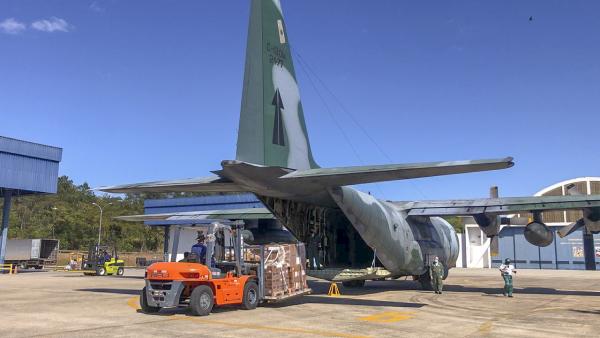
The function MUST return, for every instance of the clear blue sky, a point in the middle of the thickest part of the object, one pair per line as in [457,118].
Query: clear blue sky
[147,90]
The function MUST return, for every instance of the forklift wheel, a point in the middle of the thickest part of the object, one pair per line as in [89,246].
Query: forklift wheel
[120,271]
[101,271]
[202,300]
[144,303]
[250,296]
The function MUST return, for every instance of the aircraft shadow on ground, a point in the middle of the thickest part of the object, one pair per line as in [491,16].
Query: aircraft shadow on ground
[527,291]
[324,299]
[109,290]
[79,275]
[372,287]
[591,312]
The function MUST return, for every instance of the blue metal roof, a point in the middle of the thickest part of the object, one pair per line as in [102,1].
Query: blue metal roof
[28,167]
[213,202]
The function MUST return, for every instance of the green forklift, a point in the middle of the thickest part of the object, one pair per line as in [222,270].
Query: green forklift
[103,260]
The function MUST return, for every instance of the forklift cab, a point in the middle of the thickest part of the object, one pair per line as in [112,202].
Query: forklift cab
[220,241]
[103,260]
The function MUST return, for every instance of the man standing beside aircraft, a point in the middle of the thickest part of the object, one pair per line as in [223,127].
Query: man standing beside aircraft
[507,271]
[436,271]
[313,250]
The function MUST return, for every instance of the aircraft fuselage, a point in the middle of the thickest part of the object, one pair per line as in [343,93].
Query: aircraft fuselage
[404,245]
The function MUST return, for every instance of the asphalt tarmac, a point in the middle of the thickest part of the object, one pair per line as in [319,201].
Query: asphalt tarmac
[547,303]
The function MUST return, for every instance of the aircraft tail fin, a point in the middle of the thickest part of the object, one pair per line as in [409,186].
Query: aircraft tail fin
[272,131]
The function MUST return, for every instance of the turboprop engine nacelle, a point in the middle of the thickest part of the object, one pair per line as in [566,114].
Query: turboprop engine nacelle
[591,217]
[537,233]
[489,224]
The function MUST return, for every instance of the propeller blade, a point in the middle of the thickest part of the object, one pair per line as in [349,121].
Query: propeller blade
[568,229]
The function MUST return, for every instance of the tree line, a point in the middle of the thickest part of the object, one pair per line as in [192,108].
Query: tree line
[71,216]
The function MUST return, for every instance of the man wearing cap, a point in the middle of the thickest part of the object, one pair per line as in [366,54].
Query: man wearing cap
[199,249]
[507,270]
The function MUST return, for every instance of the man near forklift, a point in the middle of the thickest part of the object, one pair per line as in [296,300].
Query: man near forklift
[199,249]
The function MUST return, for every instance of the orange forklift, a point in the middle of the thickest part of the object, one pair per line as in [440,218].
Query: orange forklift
[227,281]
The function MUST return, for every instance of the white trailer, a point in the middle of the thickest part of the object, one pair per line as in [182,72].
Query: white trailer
[31,253]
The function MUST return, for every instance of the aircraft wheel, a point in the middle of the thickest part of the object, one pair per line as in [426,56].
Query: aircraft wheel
[354,283]
[202,300]
[120,271]
[425,281]
[144,303]
[250,296]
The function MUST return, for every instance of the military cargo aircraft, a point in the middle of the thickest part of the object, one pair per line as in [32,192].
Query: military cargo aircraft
[360,236]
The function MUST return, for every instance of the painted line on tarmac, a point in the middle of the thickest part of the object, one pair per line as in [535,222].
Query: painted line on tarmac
[133,302]
[485,328]
[388,317]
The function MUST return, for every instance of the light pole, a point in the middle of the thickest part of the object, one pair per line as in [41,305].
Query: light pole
[53,220]
[100,228]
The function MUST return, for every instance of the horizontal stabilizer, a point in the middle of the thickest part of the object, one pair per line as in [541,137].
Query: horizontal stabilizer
[231,214]
[377,173]
[200,184]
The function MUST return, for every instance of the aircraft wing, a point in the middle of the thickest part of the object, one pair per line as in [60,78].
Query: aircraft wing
[377,173]
[200,184]
[499,206]
[231,214]
[487,211]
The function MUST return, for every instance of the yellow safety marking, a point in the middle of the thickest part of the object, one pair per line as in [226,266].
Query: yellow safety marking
[388,317]
[12,269]
[486,327]
[322,333]
[133,302]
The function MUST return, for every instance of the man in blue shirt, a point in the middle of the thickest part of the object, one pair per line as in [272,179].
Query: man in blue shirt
[200,248]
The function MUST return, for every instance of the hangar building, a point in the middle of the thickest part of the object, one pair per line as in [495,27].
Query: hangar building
[26,168]
[563,253]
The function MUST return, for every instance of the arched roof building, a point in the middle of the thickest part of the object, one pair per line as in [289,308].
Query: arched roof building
[582,185]
[563,253]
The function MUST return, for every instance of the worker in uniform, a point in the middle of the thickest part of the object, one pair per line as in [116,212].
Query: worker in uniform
[507,271]
[199,249]
[436,271]
[313,250]
[107,256]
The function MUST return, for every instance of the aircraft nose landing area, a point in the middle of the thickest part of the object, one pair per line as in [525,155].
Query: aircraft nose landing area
[547,303]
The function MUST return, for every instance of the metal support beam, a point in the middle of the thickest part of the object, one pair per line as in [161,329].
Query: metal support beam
[166,243]
[589,251]
[175,247]
[5,217]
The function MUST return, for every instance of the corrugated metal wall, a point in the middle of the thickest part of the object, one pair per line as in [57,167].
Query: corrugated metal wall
[28,167]
[221,202]
[563,253]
